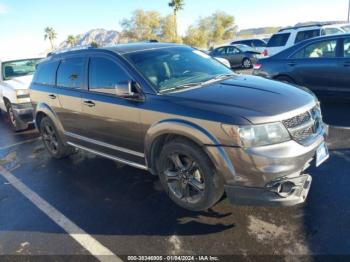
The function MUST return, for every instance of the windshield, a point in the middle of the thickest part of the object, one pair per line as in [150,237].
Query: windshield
[18,68]
[245,48]
[346,28]
[177,68]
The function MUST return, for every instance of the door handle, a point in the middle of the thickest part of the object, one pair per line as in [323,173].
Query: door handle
[292,64]
[346,64]
[52,96]
[89,103]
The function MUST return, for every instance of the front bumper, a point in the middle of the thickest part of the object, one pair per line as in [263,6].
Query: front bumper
[24,114]
[269,196]
[258,174]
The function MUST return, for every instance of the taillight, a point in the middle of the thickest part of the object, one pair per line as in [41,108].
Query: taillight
[266,53]
[257,66]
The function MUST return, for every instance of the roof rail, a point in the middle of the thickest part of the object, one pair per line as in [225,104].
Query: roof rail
[304,26]
[65,50]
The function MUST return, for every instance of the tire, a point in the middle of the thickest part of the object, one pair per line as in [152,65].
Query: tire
[12,118]
[52,141]
[247,63]
[188,176]
[285,79]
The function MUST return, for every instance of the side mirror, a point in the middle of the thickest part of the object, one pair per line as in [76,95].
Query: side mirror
[128,89]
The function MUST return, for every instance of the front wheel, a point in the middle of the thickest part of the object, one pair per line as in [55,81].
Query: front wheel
[52,140]
[188,176]
[11,117]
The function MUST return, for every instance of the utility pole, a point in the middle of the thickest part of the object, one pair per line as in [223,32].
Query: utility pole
[349,12]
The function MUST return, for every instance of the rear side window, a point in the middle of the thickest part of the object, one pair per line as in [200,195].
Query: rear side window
[304,35]
[278,40]
[46,73]
[324,49]
[247,42]
[104,75]
[70,73]
[259,43]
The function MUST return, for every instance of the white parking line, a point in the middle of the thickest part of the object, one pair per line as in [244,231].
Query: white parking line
[20,143]
[84,239]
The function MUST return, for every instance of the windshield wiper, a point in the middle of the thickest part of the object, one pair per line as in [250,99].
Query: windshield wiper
[195,84]
[189,85]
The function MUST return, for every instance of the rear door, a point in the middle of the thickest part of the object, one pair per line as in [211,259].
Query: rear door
[343,85]
[70,84]
[234,55]
[111,123]
[316,66]
[43,87]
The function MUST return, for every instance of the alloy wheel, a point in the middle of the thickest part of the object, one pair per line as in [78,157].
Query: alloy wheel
[184,178]
[50,138]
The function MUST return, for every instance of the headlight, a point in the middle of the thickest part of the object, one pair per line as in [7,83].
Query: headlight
[260,135]
[22,93]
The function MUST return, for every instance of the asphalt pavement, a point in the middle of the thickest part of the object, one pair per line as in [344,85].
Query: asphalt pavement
[87,205]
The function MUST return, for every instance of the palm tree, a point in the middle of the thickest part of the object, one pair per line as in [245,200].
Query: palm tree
[50,34]
[71,40]
[176,5]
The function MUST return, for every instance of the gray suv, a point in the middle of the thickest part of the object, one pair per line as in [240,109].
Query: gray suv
[183,116]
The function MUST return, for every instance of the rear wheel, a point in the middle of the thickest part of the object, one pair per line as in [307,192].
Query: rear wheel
[188,176]
[247,63]
[52,140]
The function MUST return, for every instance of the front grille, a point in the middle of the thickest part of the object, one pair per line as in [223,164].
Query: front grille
[305,127]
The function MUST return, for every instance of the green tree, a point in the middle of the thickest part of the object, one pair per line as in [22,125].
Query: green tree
[196,37]
[71,40]
[167,30]
[212,30]
[51,35]
[143,25]
[176,5]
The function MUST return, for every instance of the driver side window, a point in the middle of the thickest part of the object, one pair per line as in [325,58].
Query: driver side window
[232,50]
[105,75]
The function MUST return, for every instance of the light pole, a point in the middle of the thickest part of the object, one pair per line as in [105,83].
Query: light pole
[349,12]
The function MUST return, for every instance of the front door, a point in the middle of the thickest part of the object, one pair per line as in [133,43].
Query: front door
[111,124]
[316,66]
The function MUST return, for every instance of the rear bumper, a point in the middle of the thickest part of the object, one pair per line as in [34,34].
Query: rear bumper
[298,189]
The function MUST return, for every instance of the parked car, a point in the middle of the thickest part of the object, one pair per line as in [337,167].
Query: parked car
[15,79]
[183,116]
[238,55]
[322,64]
[220,59]
[290,36]
[257,44]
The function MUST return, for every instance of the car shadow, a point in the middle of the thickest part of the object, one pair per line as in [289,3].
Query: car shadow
[113,199]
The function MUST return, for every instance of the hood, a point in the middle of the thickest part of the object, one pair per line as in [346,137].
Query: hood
[22,82]
[255,99]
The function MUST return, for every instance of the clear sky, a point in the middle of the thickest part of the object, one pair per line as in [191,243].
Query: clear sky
[22,22]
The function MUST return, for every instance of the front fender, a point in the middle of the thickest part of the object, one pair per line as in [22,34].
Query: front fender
[195,133]
[43,108]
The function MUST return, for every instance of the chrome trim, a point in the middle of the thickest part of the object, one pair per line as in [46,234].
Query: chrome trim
[307,124]
[130,163]
[99,143]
